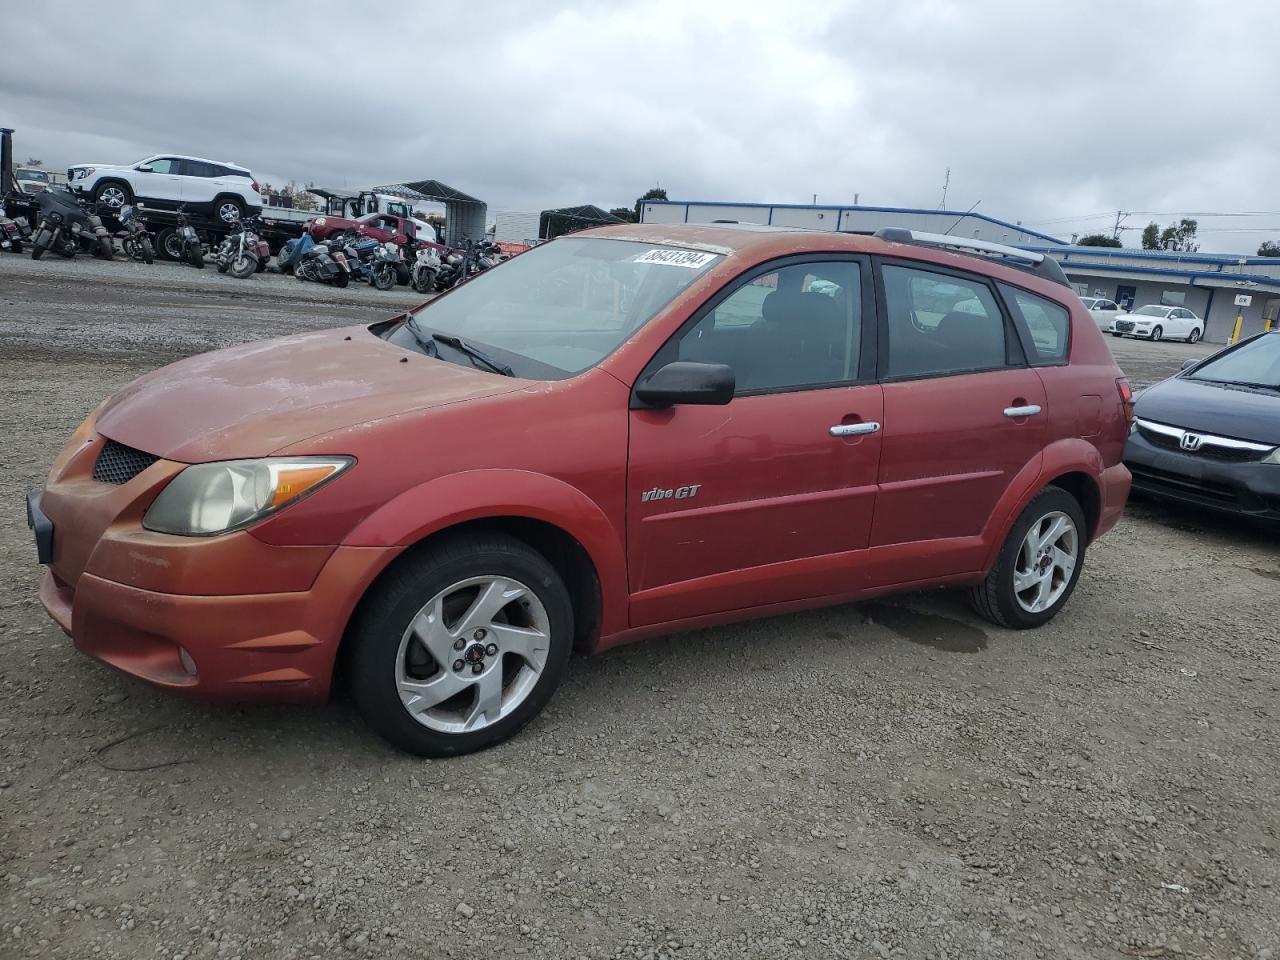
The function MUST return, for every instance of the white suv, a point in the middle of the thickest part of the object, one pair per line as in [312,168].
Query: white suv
[224,191]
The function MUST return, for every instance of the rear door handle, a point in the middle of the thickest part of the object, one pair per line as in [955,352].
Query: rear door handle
[1030,410]
[854,429]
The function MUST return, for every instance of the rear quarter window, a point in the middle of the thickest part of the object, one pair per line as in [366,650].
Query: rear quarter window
[1047,324]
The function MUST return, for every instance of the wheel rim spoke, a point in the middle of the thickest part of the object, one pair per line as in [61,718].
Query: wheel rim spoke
[528,644]
[1024,580]
[488,704]
[420,695]
[429,629]
[488,602]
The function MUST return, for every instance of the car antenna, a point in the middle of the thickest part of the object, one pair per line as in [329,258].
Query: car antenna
[947,232]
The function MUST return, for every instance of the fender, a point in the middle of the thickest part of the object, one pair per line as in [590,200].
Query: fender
[478,494]
[1073,455]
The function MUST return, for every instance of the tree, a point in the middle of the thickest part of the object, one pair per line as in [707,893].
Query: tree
[1098,240]
[1151,236]
[1180,236]
[657,193]
[1269,248]
[33,162]
[624,213]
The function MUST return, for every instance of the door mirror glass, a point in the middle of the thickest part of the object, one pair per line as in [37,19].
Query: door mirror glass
[687,381]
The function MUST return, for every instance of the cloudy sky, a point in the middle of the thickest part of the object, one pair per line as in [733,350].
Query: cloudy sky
[1053,115]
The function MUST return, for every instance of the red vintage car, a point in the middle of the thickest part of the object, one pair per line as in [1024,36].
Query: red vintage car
[624,432]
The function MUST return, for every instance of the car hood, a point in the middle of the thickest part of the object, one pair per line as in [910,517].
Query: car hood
[1210,408]
[252,400]
[101,166]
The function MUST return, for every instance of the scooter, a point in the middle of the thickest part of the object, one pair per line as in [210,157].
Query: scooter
[133,235]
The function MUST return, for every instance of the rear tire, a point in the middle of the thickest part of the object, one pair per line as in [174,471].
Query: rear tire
[383,651]
[1117,335]
[998,598]
[37,250]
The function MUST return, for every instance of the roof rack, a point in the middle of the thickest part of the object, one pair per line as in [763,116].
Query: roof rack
[1036,263]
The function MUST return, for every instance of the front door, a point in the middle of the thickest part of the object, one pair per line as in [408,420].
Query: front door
[963,414]
[1125,296]
[164,182]
[769,498]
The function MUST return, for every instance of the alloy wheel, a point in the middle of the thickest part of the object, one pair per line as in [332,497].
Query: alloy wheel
[1046,560]
[112,196]
[229,212]
[472,654]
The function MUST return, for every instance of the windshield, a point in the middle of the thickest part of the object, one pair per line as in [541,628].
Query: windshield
[1256,363]
[33,175]
[1089,302]
[563,306]
[1152,311]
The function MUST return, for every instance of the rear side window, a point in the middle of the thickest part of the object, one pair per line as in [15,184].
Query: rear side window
[940,324]
[198,168]
[1048,323]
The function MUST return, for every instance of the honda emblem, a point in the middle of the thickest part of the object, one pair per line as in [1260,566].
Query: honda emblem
[1191,441]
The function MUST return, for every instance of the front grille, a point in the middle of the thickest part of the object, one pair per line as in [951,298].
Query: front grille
[1124,326]
[1207,450]
[118,464]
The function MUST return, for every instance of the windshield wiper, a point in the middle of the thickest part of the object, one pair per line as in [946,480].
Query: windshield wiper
[497,366]
[424,340]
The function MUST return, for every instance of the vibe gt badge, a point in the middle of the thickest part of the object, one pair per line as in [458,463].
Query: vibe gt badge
[677,493]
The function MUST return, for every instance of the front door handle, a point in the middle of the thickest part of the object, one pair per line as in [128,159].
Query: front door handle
[854,429]
[1030,410]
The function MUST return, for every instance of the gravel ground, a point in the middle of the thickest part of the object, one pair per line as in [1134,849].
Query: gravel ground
[885,779]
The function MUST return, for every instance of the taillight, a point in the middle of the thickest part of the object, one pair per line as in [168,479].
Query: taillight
[255,186]
[1126,399]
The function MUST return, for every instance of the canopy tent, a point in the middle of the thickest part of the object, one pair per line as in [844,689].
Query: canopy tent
[464,216]
[553,223]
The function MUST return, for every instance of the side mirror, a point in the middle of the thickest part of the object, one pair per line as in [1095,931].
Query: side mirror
[144,167]
[1188,364]
[687,381]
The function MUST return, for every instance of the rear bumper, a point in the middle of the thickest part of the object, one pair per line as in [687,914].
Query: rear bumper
[271,646]
[1248,488]
[1113,483]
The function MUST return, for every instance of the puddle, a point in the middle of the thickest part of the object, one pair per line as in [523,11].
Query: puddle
[928,629]
[1263,572]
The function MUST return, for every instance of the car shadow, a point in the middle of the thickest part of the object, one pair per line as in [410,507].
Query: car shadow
[1189,518]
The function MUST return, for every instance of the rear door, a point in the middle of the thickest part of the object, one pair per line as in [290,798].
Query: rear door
[198,181]
[963,415]
[768,498]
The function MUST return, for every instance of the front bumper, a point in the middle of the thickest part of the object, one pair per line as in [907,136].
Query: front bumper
[1249,488]
[271,646]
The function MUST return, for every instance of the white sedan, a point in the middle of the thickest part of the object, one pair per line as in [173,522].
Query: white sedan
[1103,311]
[1155,322]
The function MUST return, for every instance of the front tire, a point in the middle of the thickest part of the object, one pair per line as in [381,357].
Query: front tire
[461,645]
[244,267]
[195,255]
[113,194]
[1194,336]
[383,277]
[1157,332]
[1037,568]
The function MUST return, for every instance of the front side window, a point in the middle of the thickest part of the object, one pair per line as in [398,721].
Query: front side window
[1048,323]
[562,306]
[799,326]
[940,324]
[164,165]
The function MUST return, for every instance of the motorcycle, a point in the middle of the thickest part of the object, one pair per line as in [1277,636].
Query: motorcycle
[383,266]
[189,247]
[133,235]
[452,270]
[63,223]
[13,233]
[426,267]
[319,266]
[242,252]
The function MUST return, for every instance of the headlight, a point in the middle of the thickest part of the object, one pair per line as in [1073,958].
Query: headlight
[210,498]
[319,221]
[84,172]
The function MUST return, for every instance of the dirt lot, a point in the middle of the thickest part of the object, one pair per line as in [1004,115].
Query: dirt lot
[889,779]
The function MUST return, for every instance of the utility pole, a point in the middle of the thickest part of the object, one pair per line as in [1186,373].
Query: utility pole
[1120,215]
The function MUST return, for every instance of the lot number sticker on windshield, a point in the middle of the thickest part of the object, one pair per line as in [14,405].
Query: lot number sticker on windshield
[677,258]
